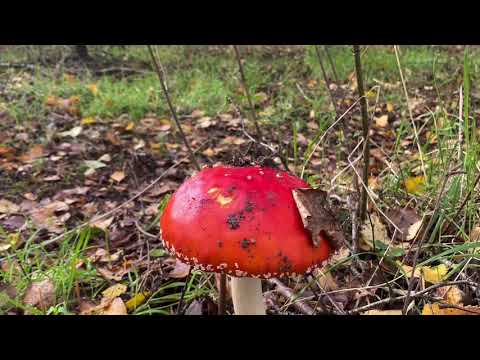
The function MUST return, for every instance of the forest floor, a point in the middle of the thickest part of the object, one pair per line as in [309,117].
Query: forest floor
[81,144]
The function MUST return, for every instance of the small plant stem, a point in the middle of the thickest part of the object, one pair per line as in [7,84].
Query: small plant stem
[184,290]
[161,78]
[247,92]
[332,64]
[325,77]
[365,125]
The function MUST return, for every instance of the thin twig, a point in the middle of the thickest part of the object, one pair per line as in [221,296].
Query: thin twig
[222,294]
[365,125]
[325,77]
[289,294]
[247,92]
[157,64]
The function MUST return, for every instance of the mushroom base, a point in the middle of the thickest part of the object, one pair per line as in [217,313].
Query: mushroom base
[247,296]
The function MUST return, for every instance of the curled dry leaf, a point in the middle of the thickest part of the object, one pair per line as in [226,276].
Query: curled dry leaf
[40,294]
[408,221]
[102,224]
[180,270]
[317,216]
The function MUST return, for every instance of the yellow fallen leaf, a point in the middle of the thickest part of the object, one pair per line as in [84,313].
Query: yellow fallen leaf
[382,121]
[130,126]
[118,176]
[93,89]
[88,121]
[435,309]
[114,291]
[414,184]
[137,300]
[52,100]
[451,294]
[408,270]
[156,146]
[389,107]
[435,274]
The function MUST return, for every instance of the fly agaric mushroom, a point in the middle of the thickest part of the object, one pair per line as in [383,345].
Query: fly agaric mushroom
[242,221]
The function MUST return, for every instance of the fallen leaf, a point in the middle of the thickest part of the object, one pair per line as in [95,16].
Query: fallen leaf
[414,184]
[209,152]
[205,122]
[52,178]
[180,269]
[114,291]
[103,224]
[390,107]
[383,312]
[451,294]
[36,152]
[113,138]
[130,126]
[317,216]
[94,164]
[137,300]
[118,176]
[74,132]
[45,217]
[435,309]
[381,121]
[408,221]
[7,207]
[40,294]
[435,274]
[88,121]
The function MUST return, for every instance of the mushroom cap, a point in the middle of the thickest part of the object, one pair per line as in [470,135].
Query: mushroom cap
[242,221]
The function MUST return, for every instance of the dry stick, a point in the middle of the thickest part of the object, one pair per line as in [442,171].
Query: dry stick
[365,124]
[332,64]
[410,110]
[417,294]
[157,65]
[222,294]
[420,243]
[325,77]
[288,293]
[247,92]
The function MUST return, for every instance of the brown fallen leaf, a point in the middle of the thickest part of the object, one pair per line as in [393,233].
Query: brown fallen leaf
[408,221]
[40,294]
[116,307]
[36,152]
[317,216]
[180,270]
[45,217]
[102,224]
[451,294]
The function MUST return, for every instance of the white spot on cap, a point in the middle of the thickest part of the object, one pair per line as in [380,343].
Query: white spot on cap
[261,172]
[278,175]
[236,265]
[249,177]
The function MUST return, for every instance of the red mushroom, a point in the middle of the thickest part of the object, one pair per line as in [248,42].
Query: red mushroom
[242,221]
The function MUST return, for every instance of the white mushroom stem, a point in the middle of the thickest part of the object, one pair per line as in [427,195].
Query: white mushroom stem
[247,296]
